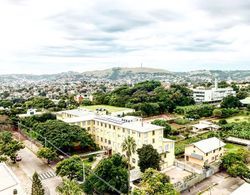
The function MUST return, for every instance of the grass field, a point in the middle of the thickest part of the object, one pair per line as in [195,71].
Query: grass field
[239,118]
[107,107]
[232,147]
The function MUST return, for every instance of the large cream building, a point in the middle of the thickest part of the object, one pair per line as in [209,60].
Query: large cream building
[109,132]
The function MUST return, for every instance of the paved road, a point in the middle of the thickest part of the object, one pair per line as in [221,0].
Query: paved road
[26,168]
[225,185]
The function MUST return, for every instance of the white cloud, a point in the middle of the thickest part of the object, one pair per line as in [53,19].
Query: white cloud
[47,36]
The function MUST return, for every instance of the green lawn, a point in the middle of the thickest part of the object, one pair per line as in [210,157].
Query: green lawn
[107,107]
[232,147]
[239,118]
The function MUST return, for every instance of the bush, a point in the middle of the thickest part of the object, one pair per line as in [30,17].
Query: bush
[181,121]
[222,122]
[91,158]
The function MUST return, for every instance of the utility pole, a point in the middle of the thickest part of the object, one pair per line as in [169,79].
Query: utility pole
[83,172]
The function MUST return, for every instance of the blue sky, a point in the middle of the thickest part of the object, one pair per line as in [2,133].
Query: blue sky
[50,36]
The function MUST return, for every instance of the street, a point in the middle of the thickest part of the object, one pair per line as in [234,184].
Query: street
[220,183]
[26,168]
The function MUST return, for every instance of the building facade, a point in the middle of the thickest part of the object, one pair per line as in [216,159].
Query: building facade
[205,151]
[212,95]
[109,133]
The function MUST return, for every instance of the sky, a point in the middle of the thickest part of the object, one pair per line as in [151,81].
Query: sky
[51,36]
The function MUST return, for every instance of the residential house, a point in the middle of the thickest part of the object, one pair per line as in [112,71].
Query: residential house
[204,152]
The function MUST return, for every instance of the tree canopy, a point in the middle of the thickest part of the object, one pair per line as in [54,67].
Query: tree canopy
[148,157]
[71,167]
[155,182]
[114,171]
[37,187]
[64,136]
[147,98]
[167,128]
[230,102]
[9,146]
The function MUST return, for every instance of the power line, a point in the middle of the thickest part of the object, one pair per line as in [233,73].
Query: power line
[58,149]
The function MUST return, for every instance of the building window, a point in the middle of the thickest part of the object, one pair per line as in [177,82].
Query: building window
[101,139]
[206,154]
[109,142]
[88,128]
[110,126]
[114,127]
[153,132]
[123,130]
[153,140]
[105,140]
[165,155]
[214,151]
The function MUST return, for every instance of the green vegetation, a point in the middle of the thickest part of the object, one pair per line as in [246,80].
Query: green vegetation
[180,145]
[69,187]
[238,119]
[155,182]
[110,109]
[233,147]
[147,98]
[71,168]
[64,136]
[230,102]
[235,163]
[148,157]
[181,121]
[34,120]
[37,187]
[114,171]
[167,128]
[47,153]
[9,146]
[240,130]
[195,111]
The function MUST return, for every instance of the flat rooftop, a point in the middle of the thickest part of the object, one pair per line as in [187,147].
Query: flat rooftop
[106,107]
[8,181]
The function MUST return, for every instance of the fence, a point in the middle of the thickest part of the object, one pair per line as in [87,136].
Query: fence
[196,177]
[187,167]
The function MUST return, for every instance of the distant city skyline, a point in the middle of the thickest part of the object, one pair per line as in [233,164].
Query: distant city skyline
[45,37]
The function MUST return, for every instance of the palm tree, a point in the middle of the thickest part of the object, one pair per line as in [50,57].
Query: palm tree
[129,147]
[69,187]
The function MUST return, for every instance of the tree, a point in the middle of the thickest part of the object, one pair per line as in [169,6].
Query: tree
[47,153]
[217,113]
[37,187]
[65,136]
[167,128]
[230,102]
[71,167]
[114,171]
[235,163]
[69,187]
[129,147]
[155,182]
[9,147]
[148,157]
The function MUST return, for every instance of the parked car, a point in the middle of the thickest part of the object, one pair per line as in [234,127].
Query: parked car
[18,158]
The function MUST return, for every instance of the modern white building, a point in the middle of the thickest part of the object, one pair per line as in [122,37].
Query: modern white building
[212,95]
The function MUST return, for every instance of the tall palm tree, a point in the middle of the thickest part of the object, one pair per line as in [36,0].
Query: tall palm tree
[129,147]
[69,187]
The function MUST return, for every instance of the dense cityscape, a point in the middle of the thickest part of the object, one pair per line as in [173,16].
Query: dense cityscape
[124,97]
